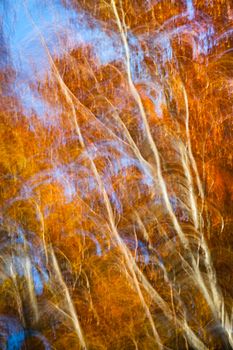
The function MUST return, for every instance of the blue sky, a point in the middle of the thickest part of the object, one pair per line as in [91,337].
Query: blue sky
[26,22]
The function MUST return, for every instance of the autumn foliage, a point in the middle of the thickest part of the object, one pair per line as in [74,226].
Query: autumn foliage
[116,199]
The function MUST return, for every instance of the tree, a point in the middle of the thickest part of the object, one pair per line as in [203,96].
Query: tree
[117,181]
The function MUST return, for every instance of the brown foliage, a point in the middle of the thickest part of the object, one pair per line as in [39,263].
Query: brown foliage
[116,206]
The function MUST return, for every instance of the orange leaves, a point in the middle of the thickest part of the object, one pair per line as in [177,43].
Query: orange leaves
[219,184]
[93,216]
[12,155]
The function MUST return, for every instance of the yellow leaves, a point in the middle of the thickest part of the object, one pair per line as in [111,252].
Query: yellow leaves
[12,157]
[48,187]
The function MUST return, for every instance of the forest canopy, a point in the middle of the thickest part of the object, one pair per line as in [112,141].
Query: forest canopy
[116,174]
